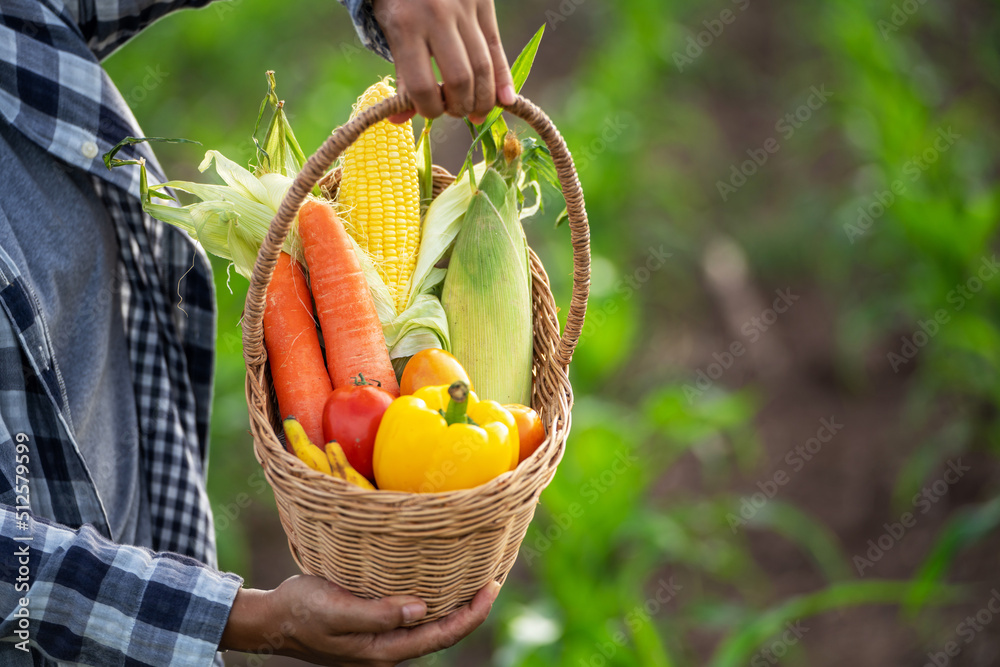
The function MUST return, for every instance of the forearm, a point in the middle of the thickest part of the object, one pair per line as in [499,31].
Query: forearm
[95,602]
[245,629]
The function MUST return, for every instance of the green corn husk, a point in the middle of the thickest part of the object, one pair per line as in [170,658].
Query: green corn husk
[231,221]
[281,153]
[487,290]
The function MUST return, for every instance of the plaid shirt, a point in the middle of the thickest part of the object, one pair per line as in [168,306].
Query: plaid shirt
[66,592]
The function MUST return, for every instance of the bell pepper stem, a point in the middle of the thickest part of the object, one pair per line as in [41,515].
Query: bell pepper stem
[455,414]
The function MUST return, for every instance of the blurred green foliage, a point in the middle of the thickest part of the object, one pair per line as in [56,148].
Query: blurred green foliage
[882,195]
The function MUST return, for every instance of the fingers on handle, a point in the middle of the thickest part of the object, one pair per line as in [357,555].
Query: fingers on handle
[450,53]
[504,83]
[403,116]
[415,75]
[481,59]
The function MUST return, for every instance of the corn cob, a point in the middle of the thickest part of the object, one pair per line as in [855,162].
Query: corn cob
[487,290]
[380,196]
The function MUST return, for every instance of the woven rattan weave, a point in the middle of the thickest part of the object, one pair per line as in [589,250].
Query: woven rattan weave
[441,547]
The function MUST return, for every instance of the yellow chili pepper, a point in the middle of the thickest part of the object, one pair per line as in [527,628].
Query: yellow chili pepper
[308,453]
[442,439]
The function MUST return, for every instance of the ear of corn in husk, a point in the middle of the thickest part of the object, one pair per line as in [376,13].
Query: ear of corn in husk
[281,153]
[487,290]
[232,220]
[380,196]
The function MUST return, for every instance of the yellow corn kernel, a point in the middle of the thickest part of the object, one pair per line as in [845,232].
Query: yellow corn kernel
[380,196]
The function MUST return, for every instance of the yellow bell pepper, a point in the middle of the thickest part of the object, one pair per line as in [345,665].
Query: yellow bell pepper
[443,439]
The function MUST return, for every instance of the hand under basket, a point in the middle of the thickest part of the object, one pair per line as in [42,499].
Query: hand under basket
[441,547]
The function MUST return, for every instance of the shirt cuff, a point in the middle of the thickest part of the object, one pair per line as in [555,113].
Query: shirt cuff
[181,613]
[94,602]
[369,31]
[197,642]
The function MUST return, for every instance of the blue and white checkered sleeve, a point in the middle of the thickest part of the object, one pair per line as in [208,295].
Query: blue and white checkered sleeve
[368,28]
[107,24]
[76,597]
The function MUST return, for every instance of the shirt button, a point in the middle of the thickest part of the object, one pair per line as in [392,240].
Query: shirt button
[89,150]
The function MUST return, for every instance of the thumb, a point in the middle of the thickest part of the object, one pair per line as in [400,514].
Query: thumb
[383,614]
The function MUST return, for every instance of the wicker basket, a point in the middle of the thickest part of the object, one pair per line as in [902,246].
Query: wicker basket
[442,547]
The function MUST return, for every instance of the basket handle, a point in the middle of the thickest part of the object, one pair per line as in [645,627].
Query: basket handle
[320,161]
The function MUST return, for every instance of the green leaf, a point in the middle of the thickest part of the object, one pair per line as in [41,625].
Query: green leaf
[738,647]
[648,645]
[287,157]
[519,72]
[804,530]
[109,157]
[496,138]
[281,153]
[965,528]
[425,167]
[919,465]
[440,227]
[270,97]
[562,218]
[683,421]
[537,158]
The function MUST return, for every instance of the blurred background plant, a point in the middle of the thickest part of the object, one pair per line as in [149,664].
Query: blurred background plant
[785,442]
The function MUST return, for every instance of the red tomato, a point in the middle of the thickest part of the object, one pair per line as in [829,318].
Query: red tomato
[351,416]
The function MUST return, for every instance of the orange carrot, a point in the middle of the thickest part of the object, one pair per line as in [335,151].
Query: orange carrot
[300,379]
[347,317]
